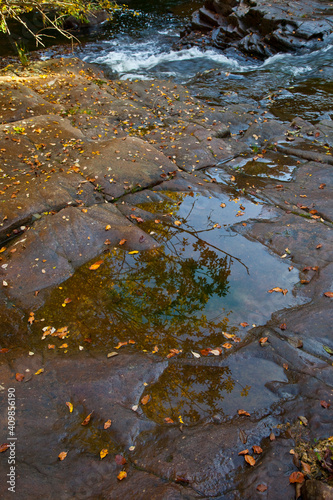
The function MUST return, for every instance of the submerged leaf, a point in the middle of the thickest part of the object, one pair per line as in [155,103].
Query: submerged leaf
[95,266]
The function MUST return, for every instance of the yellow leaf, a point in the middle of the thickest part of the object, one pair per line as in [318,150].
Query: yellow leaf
[39,371]
[2,249]
[108,227]
[180,419]
[133,251]
[70,406]
[103,453]
[122,475]
[107,424]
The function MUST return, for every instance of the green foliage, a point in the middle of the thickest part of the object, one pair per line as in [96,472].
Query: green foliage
[52,13]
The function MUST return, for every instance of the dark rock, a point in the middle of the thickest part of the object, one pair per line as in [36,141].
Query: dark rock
[316,490]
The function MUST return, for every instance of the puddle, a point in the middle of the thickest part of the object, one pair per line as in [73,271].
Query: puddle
[198,392]
[204,279]
[270,165]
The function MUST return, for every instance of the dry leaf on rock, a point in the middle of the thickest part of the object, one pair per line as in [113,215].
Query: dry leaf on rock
[120,460]
[62,455]
[243,412]
[261,487]
[122,475]
[4,447]
[296,477]
[95,266]
[250,460]
[87,419]
[145,399]
[244,452]
[107,424]
[103,453]
[257,449]
[19,377]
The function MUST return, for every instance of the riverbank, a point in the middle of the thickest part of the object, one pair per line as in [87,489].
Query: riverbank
[94,169]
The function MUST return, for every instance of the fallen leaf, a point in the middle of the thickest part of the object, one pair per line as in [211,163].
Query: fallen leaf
[31,318]
[319,246]
[67,301]
[304,420]
[4,447]
[283,326]
[38,372]
[87,419]
[111,354]
[62,455]
[328,294]
[107,424]
[263,340]
[261,487]
[4,350]
[324,404]
[242,436]
[328,349]
[133,252]
[272,436]
[120,460]
[177,223]
[227,345]
[63,346]
[180,419]
[321,186]
[243,412]
[120,344]
[285,366]
[278,289]
[168,420]
[122,475]
[108,227]
[216,352]
[223,205]
[195,354]
[145,399]
[306,467]
[19,377]
[70,406]
[131,341]
[122,242]
[205,352]
[257,450]
[228,335]
[103,453]
[95,266]
[250,460]
[107,242]
[296,477]
[244,324]
[244,452]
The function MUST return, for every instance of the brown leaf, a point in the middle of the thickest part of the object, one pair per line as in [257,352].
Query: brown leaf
[107,242]
[243,412]
[227,345]
[319,246]
[244,324]
[263,340]
[324,404]
[87,419]
[261,487]
[4,447]
[168,420]
[96,265]
[62,455]
[242,436]
[328,294]
[321,186]
[257,450]
[296,477]
[244,452]
[283,326]
[31,318]
[250,460]
[107,424]
[285,366]
[306,467]
[19,377]
[4,350]
[120,460]
[145,399]
[205,352]
[272,436]
[122,242]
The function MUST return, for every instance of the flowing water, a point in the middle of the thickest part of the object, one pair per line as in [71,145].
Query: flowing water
[205,278]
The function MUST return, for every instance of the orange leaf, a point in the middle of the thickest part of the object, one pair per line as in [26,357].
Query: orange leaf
[31,318]
[145,399]
[168,420]
[250,460]
[285,366]
[120,460]
[243,412]
[227,345]
[4,447]
[107,242]
[205,352]
[244,452]
[296,477]
[96,265]
[107,424]
[122,242]
[122,475]
[120,344]
[228,335]
[257,450]
[177,223]
[87,419]
[261,487]
[67,300]
[108,227]
[244,324]
[19,377]
[328,294]
[263,340]
[62,455]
